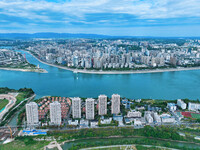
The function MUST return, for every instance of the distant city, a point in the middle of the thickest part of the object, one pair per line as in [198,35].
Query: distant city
[11,58]
[116,54]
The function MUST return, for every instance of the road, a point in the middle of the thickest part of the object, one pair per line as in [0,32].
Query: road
[27,99]
[126,147]
[12,100]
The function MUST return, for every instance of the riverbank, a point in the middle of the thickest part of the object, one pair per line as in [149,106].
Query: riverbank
[116,72]
[39,70]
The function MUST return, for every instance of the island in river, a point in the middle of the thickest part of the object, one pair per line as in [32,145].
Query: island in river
[12,60]
[40,70]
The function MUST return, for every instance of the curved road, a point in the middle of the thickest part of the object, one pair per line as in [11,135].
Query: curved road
[12,100]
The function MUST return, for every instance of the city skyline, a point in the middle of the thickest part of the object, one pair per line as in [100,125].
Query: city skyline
[107,17]
[99,74]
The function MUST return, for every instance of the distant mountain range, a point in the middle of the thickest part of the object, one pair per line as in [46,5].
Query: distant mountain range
[66,35]
[51,35]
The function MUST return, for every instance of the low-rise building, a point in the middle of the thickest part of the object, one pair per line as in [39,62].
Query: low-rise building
[171,106]
[128,120]
[149,118]
[177,115]
[137,122]
[193,106]
[74,123]
[118,118]
[134,114]
[106,121]
[156,117]
[93,124]
[168,119]
[138,100]
[181,104]
[84,123]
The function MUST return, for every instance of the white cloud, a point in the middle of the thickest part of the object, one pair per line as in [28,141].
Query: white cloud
[141,9]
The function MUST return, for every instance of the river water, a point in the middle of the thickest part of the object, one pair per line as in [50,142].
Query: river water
[59,82]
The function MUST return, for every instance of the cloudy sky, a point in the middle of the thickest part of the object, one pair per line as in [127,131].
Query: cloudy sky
[110,17]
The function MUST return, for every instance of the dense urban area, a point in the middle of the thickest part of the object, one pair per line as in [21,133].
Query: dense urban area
[106,121]
[113,54]
[118,53]
[56,118]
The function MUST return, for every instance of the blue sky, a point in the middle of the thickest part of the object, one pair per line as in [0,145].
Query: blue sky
[110,17]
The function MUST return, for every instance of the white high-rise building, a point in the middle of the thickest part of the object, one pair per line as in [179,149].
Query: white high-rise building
[102,104]
[115,108]
[32,114]
[76,107]
[55,113]
[89,108]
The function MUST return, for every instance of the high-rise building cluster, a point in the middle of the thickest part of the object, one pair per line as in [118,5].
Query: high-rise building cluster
[104,110]
[115,54]
[57,108]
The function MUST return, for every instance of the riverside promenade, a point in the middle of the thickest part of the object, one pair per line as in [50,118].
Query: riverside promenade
[86,71]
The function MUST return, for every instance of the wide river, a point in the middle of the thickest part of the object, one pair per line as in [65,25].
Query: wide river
[59,82]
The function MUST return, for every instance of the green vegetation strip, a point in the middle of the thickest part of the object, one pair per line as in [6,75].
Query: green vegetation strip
[89,143]
[83,138]
[23,94]
[3,103]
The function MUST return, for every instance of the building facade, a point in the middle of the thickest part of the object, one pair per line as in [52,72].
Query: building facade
[55,113]
[76,107]
[115,108]
[89,108]
[102,104]
[32,114]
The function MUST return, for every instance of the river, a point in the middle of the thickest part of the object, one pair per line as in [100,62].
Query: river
[59,82]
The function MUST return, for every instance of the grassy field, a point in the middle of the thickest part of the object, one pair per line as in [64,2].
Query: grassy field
[20,97]
[196,116]
[19,145]
[30,144]
[137,147]
[3,103]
